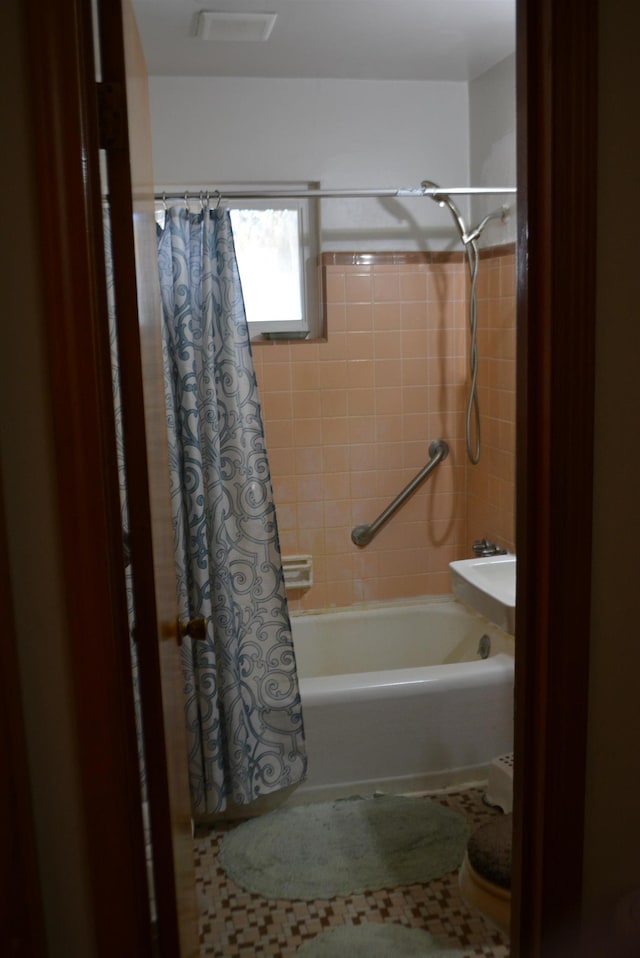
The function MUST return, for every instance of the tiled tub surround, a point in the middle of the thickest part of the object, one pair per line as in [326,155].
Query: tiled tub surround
[349,420]
[491,484]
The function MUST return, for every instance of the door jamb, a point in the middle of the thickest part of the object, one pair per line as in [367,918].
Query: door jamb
[557,145]
[65,123]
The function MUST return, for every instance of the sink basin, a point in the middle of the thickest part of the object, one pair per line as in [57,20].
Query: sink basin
[488,585]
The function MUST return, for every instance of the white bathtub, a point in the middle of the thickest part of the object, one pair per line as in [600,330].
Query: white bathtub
[396,697]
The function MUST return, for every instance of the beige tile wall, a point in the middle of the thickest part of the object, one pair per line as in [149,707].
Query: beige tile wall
[491,484]
[348,423]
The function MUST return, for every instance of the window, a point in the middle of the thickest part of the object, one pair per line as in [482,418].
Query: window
[276,243]
[267,245]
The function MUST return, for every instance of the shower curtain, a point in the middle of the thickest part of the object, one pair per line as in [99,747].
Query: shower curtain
[243,710]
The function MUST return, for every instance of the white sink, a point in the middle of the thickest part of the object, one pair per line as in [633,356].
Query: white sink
[488,585]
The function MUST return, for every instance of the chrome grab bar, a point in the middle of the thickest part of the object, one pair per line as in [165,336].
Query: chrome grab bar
[362,535]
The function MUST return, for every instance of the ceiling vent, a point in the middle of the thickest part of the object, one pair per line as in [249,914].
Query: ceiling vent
[225,27]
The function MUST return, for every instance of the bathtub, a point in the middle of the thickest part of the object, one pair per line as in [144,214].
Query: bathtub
[397,698]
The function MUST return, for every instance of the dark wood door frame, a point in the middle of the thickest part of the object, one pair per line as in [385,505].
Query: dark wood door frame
[66,137]
[21,914]
[557,140]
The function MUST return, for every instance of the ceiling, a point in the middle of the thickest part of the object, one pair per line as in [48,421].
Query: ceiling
[445,40]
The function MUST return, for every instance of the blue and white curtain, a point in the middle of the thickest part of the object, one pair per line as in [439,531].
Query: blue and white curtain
[243,709]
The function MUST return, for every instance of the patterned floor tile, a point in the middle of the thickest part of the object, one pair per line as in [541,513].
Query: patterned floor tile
[236,924]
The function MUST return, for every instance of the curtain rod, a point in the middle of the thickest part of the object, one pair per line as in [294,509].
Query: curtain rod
[209,194]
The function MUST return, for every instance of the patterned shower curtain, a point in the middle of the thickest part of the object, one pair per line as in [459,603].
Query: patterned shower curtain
[243,711]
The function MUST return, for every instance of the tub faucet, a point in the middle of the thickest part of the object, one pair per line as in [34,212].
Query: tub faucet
[482,547]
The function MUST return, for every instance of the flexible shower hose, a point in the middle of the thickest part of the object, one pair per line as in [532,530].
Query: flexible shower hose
[473,406]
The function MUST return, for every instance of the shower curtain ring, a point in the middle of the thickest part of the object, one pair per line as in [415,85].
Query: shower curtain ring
[186,201]
[219,195]
[164,201]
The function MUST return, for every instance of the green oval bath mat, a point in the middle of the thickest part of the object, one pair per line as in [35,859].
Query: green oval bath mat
[376,941]
[344,847]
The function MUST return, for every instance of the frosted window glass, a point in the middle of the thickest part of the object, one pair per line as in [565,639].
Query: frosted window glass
[267,246]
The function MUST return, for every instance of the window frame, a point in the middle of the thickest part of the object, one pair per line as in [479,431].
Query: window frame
[311,326]
[307,207]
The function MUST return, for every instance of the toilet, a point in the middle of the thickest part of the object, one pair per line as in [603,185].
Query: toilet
[500,784]
[485,874]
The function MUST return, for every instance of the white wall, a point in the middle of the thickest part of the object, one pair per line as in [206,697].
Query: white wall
[341,133]
[492,145]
